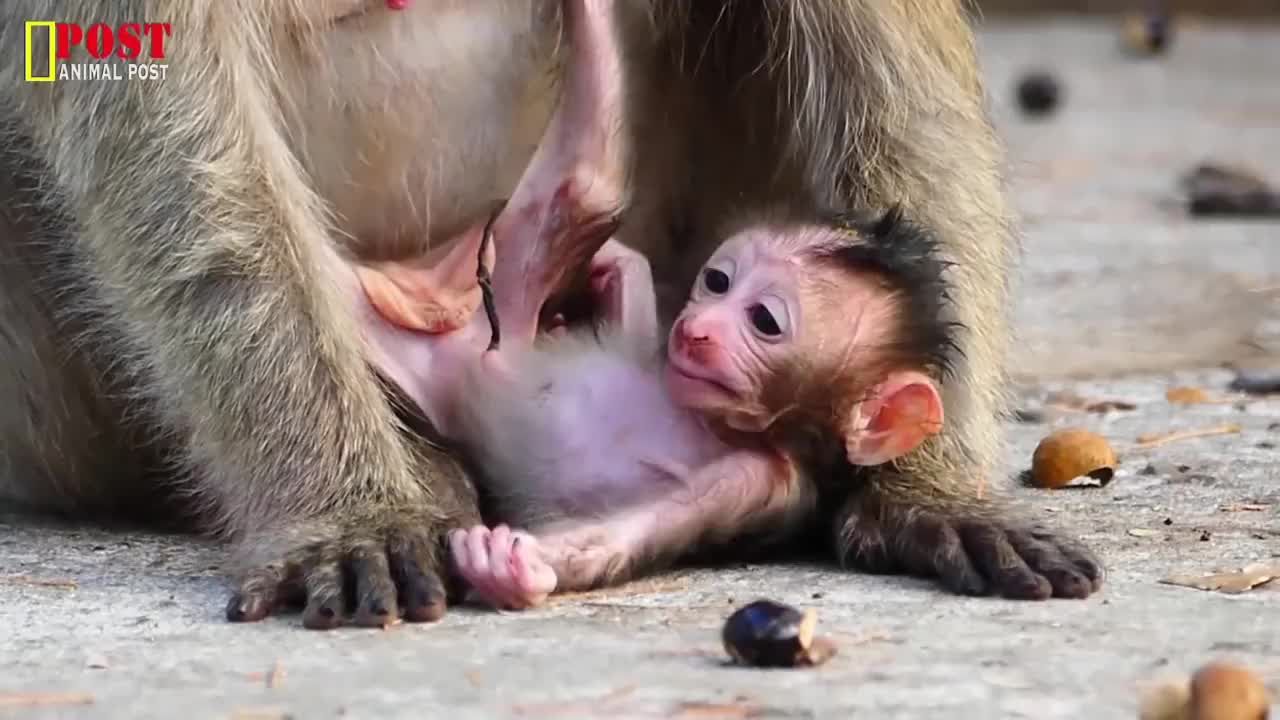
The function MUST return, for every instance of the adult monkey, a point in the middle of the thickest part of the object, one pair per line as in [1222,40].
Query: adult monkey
[163,305]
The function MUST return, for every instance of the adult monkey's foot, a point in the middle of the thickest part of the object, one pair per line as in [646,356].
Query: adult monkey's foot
[969,554]
[373,573]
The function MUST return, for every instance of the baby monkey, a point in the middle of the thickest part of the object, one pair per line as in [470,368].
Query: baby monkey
[803,343]
[800,340]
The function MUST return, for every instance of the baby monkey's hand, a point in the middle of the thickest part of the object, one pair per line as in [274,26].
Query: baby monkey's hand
[502,566]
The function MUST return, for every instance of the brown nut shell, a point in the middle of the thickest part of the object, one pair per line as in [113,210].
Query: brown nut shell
[1169,700]
[1222,691]
[1186,396]
[1067,454]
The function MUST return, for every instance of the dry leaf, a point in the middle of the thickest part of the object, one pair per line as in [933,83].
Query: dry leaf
[1065,455]
[66,584]
[1233,583]
[1071,402]
[1144,533]
[1186,396]
[1149,440]
[262,713]
[1245,507]
[1105,406]
[35,699]
[736,709]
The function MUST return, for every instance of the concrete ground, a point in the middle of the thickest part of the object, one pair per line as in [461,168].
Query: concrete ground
[1122,298]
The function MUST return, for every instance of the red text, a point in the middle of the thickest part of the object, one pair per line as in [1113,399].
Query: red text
[100,40]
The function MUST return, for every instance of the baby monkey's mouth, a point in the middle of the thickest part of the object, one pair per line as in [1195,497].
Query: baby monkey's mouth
[696,374]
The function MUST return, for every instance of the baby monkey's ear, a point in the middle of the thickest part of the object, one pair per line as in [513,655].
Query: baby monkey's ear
[435,293]
[901,413]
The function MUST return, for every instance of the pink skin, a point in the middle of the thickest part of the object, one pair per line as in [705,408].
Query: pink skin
[512,569]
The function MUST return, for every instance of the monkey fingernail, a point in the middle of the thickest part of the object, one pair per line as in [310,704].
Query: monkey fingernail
[377,614]
[1071,585]
[247,608]
[424,603]
[323,616]
[1033,587]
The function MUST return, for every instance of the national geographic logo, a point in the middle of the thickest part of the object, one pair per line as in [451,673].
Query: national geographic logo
[140,46]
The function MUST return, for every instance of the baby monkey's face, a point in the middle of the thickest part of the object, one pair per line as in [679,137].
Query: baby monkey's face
[760,305]
[742,314]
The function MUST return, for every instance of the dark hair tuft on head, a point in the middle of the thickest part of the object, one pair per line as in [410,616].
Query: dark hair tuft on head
[909,258]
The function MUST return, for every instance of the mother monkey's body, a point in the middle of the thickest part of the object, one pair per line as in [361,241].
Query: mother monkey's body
[165,308]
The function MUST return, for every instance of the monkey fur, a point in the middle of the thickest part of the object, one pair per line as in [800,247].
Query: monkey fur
[167,326]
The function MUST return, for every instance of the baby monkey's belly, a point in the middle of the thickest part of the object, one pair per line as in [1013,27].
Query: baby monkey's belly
[612,438]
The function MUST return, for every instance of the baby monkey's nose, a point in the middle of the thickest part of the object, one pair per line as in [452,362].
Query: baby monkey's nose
[693,331]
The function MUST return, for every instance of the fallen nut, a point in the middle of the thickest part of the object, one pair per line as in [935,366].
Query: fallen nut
[1169,700]
[1222,691]
[1065,455]
[770,634]
[1146,33]
[1186,396]
[1038,93]
[1222,190]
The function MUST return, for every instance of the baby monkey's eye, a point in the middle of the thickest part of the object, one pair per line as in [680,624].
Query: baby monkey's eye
[764,321]
[716,281]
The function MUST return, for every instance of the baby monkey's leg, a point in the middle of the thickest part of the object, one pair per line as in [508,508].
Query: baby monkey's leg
[566,203]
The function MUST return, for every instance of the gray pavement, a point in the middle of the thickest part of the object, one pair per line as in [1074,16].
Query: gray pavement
[1121,299]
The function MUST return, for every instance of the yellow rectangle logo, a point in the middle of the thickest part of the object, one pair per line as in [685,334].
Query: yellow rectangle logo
[53,50]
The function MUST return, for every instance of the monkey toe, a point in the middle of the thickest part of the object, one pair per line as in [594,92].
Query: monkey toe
[375,592]
[323,613]
[941,550]
[1067,583]
[1045,556]
[248,607]
[989,546]
[257,595]
[326,597]
[1080,558]
[424,599]
[422,594]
